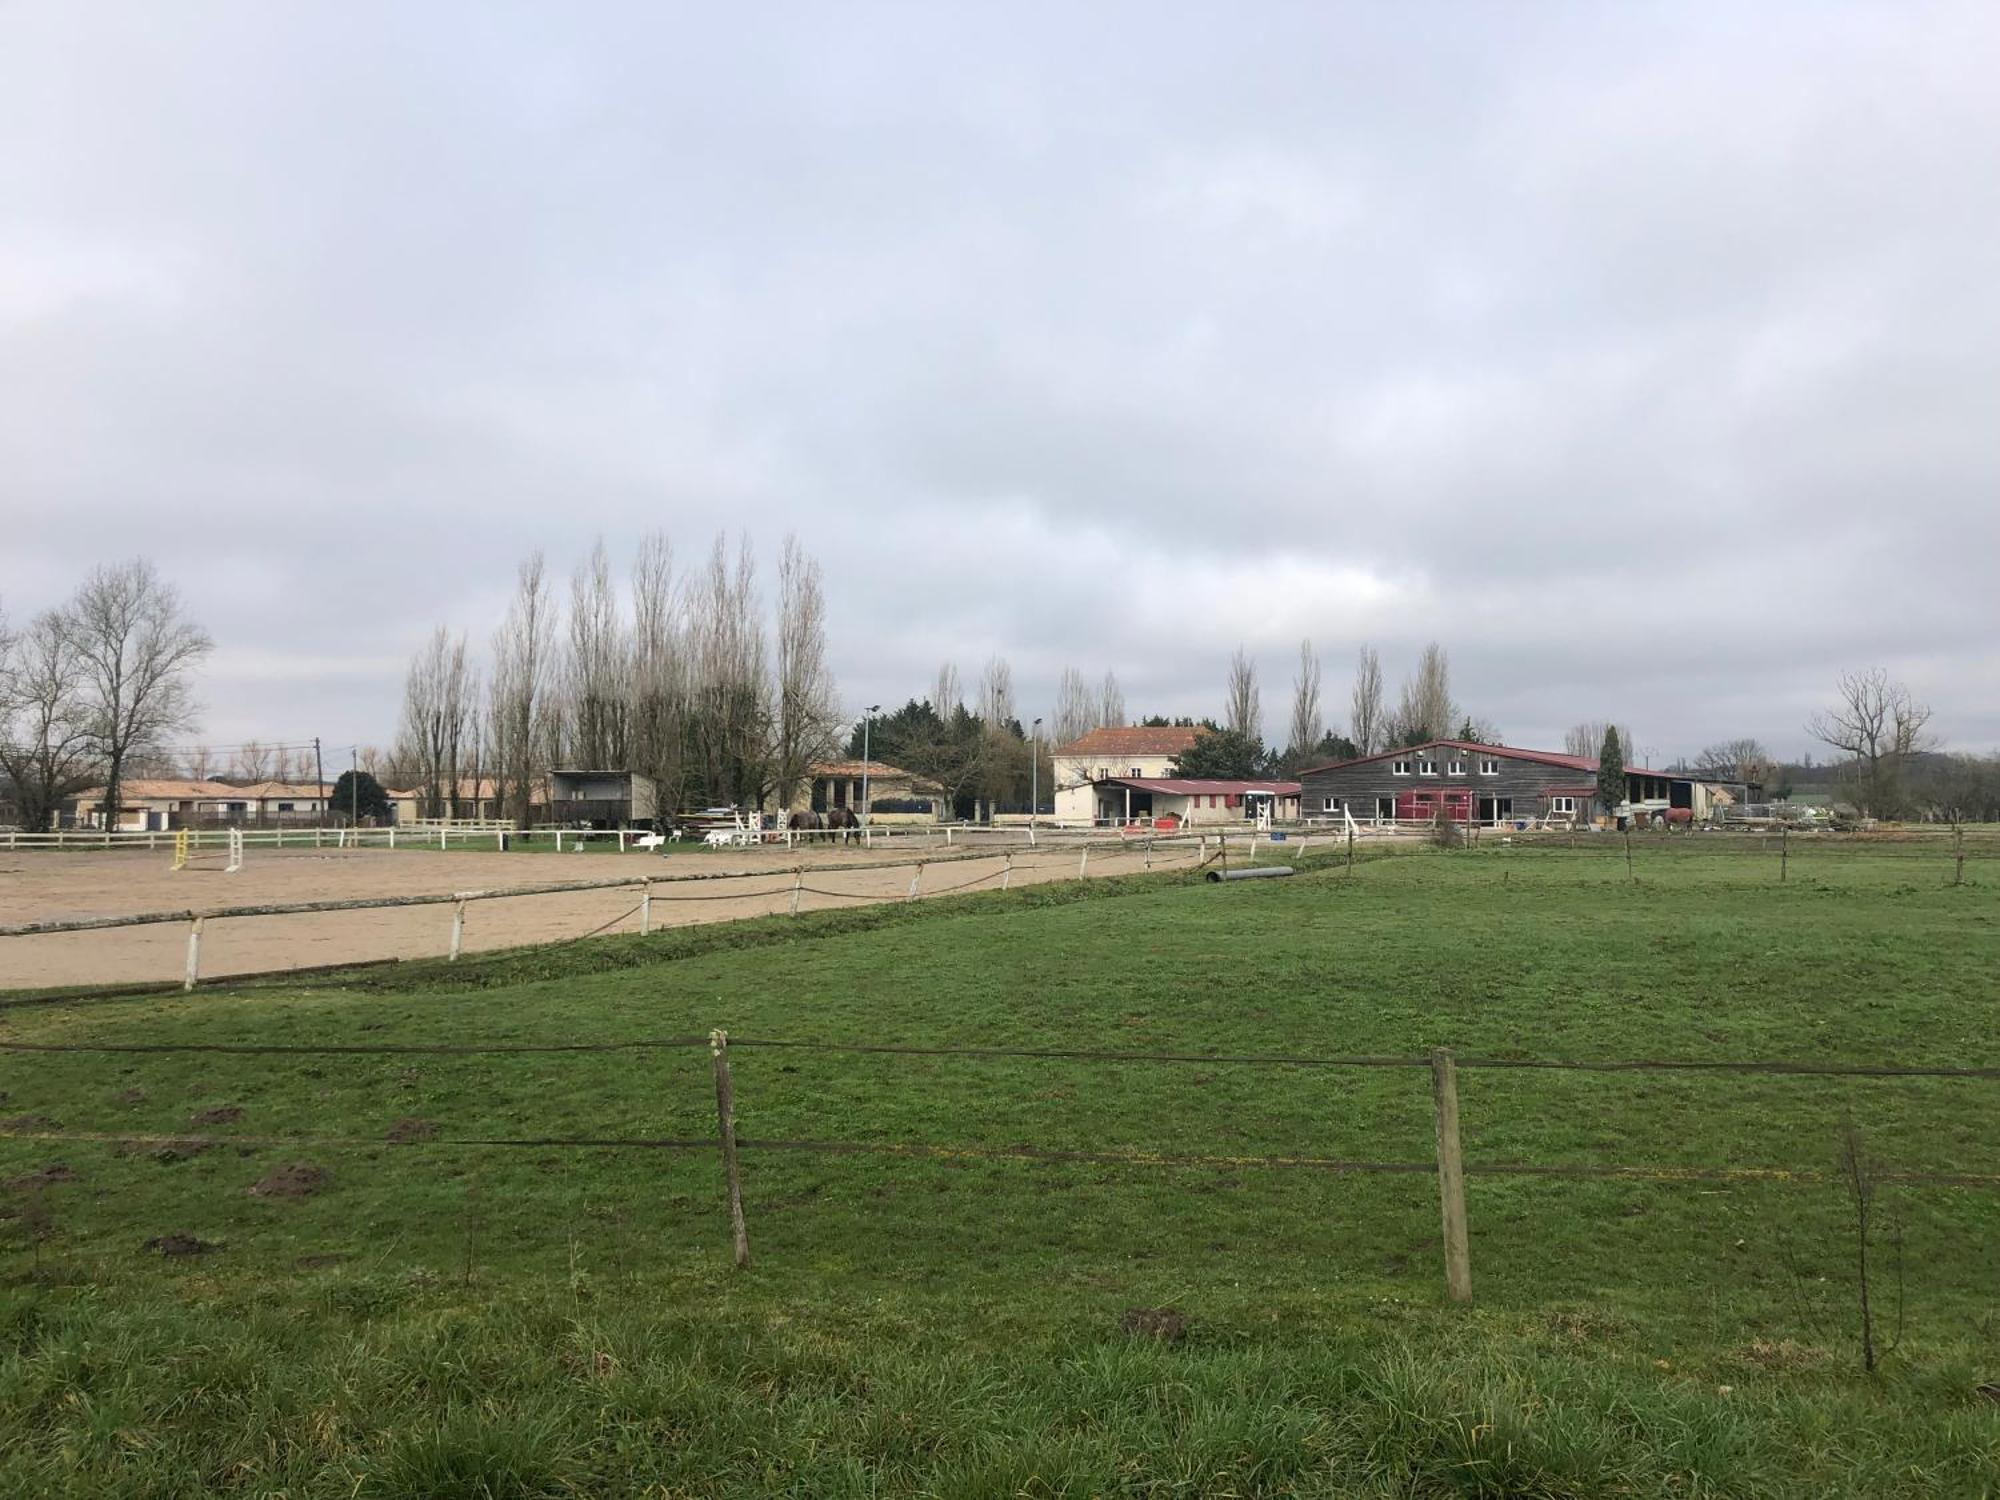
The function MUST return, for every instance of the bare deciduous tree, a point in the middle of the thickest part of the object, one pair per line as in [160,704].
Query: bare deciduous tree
[807,722]
[729,691]
[597,672]
[1370,725]
[1426,710]
[1111,702]
[659,670]
[1242,703]
[252,762]
[137,650]
[1878,726]
[1076,708]
[516,700]
[1308,726]
[996,693]
[439,695]
[46,748]
[946,695]
[1743,760]
[1587,738]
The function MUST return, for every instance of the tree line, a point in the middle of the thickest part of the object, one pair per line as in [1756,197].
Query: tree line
[91,690]
[679,677]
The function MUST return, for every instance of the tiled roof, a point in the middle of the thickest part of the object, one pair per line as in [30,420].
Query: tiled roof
[1185,786]
[1132,739]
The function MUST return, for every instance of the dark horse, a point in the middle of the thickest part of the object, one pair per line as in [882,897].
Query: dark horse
[808,821]
[843,819]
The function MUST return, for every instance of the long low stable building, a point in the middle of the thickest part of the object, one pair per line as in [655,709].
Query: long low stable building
[1188,801]
[1471,783]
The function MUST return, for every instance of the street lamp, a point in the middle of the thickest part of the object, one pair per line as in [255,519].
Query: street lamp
[1034,773]
[867,718]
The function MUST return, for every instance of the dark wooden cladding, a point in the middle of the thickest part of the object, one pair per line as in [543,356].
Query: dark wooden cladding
[1521,788]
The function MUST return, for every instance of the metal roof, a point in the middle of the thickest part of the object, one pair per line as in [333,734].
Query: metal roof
[1469,748]
[1182,786]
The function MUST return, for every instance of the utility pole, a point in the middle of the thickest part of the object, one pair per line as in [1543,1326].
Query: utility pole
[867,719]
[319,780]
[354,786]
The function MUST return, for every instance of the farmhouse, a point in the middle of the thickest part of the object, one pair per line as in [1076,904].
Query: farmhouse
[1470,783]
[154,804]
[1145,752]
[1189,802]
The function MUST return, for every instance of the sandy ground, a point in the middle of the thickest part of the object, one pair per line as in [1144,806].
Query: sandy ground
[44,886]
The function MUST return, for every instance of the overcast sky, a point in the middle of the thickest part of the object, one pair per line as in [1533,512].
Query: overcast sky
[1646,357]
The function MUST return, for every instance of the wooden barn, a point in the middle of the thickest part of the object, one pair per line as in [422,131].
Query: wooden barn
[1492,784]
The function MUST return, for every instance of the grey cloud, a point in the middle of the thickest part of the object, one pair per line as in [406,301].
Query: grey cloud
[1643,356]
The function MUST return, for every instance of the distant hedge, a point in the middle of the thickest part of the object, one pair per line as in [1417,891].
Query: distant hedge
[899,805]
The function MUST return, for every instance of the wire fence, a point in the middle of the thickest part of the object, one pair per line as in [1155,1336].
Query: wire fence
[1448,1165]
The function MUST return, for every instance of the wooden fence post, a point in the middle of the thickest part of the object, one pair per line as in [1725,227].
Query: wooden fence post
[798,884]
[1350,848]
[1083,860]
[1958,874]
[1451,1176]
[646,908]
[916,880]
[1784,853]
[457,930]
[193,956]
[1007,871]
[1628,856]
[725,1124]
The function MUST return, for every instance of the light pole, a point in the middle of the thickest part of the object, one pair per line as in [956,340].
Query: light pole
[867,718]
[1034,772]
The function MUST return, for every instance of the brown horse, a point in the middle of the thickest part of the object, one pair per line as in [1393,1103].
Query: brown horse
[809,821]
[843,820]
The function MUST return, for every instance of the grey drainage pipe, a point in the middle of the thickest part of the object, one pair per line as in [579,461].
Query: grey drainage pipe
[1255,872]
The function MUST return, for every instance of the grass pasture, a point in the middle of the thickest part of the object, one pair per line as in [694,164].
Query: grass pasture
[439,1318]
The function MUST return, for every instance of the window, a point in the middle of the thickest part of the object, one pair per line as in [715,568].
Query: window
[1135,770]
[1427,768]
[1489,768]
[1454,768]
[1399,768]
[1332,804]
[1562,804]
[1104,773]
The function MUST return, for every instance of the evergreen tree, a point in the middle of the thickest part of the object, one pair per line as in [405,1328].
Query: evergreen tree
[1611,772]
[357,794]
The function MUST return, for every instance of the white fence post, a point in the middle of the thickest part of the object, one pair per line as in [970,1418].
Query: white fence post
[1007,871]
[193,955]
[1083,860]
[915,881]
[646,909]
[798,884]
[457,929]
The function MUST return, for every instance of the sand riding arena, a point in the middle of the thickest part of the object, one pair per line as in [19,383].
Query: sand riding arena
[124,917]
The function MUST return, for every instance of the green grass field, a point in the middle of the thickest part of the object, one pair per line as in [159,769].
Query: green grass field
[447,1319]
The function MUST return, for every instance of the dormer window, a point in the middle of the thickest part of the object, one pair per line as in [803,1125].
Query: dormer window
[1427,767]
[1489,767]
[1454,768]
[1399,768]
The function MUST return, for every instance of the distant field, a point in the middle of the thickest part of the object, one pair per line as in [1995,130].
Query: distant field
[439,1318]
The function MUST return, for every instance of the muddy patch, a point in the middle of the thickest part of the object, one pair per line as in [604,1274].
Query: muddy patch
[296,1180]
[133,1095]
[179,1244]
[219,1114]
[407,1132]
[320,1261]
[1163,1325]
[41,1177]
[27,1123]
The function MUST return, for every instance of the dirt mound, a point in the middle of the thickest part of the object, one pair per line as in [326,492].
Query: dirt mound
[133,1095]
[296,1180]
[29,1123]
[1162,1324]
[41,1177]
[220,1114]
[319,1261]
[180,1244]
[408,1132]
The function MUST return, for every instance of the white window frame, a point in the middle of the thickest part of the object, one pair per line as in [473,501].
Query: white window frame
[1454,768]
[1330,804]
[1399,768]
[1489,766]
[1427,768]
[1135,771]
[1563,805]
